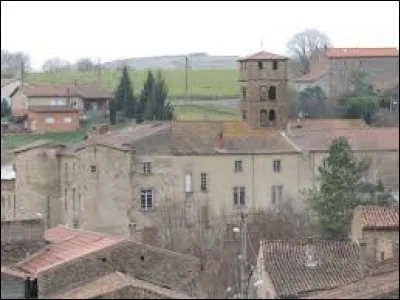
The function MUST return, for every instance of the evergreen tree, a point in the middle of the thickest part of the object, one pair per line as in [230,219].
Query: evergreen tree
[164,110]
[147,98]
[124,96]
[5,108]
[113,112]
[341,189]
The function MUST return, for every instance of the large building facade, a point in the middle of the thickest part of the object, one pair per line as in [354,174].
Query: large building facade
[120,182]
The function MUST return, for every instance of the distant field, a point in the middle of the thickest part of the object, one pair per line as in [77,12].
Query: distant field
[182,112]
[202,84]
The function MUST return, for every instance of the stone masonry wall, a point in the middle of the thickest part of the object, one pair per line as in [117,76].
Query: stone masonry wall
[154,265]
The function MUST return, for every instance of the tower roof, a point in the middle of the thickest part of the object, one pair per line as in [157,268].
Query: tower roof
[263,55]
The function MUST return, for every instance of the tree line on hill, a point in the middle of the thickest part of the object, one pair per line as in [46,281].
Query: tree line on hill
[150,105]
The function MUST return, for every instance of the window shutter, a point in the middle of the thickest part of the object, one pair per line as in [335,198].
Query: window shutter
[188,183]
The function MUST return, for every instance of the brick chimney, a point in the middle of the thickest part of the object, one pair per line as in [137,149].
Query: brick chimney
[219,141]
[363,260]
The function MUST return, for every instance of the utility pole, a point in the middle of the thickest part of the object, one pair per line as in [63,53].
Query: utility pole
[99,70]
[186,77]
[22,73]
[243,246]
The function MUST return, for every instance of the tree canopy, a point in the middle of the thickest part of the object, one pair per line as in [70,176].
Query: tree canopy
[341,188]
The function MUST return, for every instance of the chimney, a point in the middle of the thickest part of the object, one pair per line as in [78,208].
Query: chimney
[362,244]
[219,141]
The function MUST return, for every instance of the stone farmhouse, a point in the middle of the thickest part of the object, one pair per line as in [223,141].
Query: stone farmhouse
[331,70]
[75,264]
[115,182]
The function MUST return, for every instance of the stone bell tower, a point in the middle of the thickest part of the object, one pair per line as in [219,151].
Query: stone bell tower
[263,85]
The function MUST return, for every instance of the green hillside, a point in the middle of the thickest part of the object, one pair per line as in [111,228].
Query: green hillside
[202,84]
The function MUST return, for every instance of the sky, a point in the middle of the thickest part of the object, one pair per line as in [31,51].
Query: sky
[114,30]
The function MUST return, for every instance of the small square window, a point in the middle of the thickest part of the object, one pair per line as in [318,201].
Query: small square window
[147,168]
[277,165]
[49,120]
[93,168]
[67,120]
[238,166]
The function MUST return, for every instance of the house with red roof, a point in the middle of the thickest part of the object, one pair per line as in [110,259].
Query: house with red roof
[331,69]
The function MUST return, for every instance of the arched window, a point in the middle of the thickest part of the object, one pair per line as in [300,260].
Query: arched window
[272,115]
[272,93]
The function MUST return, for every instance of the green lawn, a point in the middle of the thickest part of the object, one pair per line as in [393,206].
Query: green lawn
[201,83]
[193,112]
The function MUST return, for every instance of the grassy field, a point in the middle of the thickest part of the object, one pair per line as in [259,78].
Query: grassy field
[208,84]
[182,112]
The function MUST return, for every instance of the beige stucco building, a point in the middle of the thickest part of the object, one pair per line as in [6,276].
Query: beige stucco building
[117,182]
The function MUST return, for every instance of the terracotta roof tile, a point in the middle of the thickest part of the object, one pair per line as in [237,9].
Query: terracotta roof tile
[375,287]
[114,282]
[371,139]
[68,246]
[378,217]
[327,124]
[312,76]
[361,52]
[285,262]
[263,55]
[85,90]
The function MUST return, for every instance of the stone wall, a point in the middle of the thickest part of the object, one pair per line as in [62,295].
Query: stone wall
[155,265]
[20,239]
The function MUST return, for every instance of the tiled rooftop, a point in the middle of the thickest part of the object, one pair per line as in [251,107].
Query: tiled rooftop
[361,52]
[375,217]
[69,244]
[285,262]
[263,55]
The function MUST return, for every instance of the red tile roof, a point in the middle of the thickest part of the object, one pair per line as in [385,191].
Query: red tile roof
[327,124]
[378,217]
[111,283]
[70,244]
[312,76]
[263,55]
[361,52]
[376,287]
[369,139]
[85,91]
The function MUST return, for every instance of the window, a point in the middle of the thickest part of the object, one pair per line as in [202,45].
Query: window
[57,101]
[276,193]
[239,196]
[49,120]
[244,114]
[238,166]
[146,199]
[260,65]
[382,256]
[275,65]
[66,170]
[203,182]
[264,92]
[263,118]
[188,183]
[271,115]
[277,165]
[272,93]
[67,120]
[93,168]
[243,93]
[147,168]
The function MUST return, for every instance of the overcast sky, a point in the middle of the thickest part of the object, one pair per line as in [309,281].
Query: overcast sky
[112,30]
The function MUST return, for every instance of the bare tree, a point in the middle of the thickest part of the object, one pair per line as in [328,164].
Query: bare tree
[304,44]
[55,64]
[85,64]
[11,63]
